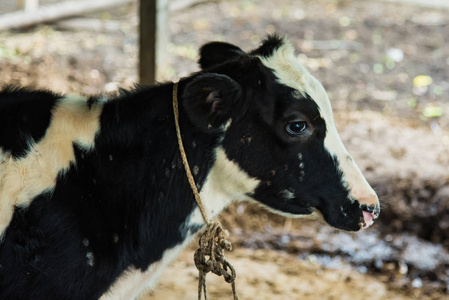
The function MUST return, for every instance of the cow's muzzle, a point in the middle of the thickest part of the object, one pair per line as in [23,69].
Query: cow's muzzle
[370,214]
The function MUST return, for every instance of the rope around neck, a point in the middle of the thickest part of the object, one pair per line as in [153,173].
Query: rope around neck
[210,255]
[184,156]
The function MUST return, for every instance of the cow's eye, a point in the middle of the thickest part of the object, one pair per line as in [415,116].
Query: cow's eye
[296,127]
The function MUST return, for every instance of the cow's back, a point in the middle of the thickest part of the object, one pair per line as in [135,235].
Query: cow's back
[24,118]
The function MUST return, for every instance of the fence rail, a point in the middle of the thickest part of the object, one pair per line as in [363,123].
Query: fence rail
[34,14]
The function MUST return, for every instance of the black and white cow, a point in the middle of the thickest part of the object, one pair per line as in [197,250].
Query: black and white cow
[99,200]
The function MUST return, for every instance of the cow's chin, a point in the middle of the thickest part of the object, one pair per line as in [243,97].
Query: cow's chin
[291,210]
[351,220]
[348,221]
[344,221]
[338,220]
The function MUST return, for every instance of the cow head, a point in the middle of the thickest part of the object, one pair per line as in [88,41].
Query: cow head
[279,129]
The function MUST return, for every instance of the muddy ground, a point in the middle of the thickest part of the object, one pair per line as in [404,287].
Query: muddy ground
[386,68]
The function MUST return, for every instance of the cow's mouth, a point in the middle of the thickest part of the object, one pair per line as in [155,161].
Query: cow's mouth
[350,217]
[370,214]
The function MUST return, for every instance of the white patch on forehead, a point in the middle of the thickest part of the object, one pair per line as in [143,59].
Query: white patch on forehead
[292,73]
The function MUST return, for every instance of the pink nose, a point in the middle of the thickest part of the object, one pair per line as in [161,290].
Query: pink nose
[370,213]
[368,218]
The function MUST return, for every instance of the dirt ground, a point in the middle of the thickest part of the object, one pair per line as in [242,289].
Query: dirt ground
[386,68]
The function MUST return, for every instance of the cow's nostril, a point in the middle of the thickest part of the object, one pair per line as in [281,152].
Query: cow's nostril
[374,209]
[367,208]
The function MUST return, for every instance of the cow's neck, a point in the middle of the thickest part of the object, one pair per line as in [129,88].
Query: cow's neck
[225,182]
[220,182]
[145,142]
[148,115]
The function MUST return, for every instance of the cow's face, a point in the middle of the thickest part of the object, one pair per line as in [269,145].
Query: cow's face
[280,130]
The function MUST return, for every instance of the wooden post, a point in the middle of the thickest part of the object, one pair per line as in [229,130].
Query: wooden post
[153,37]
[147,42]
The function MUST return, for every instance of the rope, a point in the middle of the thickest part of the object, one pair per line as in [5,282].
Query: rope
[210,258]
[184,156]
[213,242]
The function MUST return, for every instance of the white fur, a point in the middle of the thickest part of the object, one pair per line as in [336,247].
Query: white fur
[133,281]
[225,183]
[290,72]
[24,178]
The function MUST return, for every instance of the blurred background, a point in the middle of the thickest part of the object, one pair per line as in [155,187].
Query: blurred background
[385,65]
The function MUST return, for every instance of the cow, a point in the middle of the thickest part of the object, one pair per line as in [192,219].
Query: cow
[94,197]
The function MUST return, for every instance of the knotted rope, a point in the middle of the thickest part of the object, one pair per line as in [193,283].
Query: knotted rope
[210,255]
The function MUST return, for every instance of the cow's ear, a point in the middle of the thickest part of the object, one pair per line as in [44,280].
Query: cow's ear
[216,53]
[210,100]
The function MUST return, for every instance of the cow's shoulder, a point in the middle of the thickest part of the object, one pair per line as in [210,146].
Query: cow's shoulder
[24,118]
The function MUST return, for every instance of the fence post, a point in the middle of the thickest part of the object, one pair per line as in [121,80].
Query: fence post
[153,35]
[27,5]
[31,5]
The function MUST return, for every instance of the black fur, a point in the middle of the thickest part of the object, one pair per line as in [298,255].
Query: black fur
[269,45]
[24,118]
[212,54]
[130,188]
[126,201]
[211,99]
